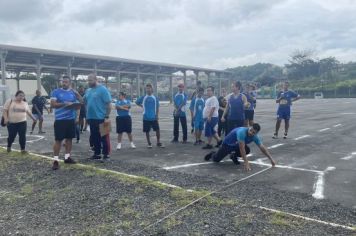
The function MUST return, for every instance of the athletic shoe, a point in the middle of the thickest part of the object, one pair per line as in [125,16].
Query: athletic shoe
[118,147]
[234,159]
[201,141]
[41,132]
[208,146]
[209,156]
[133,146]
[285,135]
[78,140]
[184,141]
[8,149]
[31,132]
[160,145]
[218,144]
[106,157]
[275,136]
[24,152]
[69,161]
[149,145]
[95,157]
[174,141]
[55,165]
[92,149]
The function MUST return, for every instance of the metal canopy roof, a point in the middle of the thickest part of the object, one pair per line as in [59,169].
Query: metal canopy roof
[25,59]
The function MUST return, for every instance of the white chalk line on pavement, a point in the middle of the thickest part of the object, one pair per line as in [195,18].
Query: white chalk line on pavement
[320,183]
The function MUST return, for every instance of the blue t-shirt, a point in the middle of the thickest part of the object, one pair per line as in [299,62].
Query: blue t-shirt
[179,99]
[150,105]
[96,100]
[287,97]
[236,108]
[197,108]
[121,112]
[240,135]
[63,96]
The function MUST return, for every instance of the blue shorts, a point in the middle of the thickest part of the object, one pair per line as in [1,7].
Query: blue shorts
[198,125]
[210,126]
[38,116]
[283,113]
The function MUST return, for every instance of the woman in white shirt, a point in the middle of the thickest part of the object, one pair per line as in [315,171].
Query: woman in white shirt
[15,117]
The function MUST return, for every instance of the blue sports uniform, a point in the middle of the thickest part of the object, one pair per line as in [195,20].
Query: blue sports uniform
[96,100]
[180,99]
[150,105]
[198,107]
[121,112]
[284,108]
[63,96]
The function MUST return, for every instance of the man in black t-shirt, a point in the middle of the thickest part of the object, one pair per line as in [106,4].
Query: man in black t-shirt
[38,103]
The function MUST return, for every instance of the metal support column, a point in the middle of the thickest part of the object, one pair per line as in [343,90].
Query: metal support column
[95,68]
[196,76]
[3,73]
[208,74]
[138,83]
[118,81]
[155,79]
[38,75]
[131,90]
[219,78]
[69,69]
[18,80]
[185,79]
[171,89]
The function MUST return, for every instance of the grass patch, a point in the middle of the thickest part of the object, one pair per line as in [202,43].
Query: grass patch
[281,219]
[27,189]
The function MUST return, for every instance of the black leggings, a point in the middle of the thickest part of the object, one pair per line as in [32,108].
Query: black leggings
[14,129]
[225,150]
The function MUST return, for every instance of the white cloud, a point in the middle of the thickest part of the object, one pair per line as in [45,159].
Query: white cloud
[214,33]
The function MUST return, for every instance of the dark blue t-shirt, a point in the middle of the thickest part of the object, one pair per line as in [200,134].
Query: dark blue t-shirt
[236,108]
[63,96]
[286,98]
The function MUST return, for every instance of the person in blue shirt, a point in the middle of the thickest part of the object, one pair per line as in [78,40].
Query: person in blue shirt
[198,86]
[63,101]
[150,105]
[284,99]
[250,109]
[234,110]
[236,141]
[197,105]
[123,120]
[179,114]
[98,104]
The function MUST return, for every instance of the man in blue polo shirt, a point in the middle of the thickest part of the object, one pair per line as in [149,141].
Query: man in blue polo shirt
[236,141]
[179,114]
[284,99]
[98,104]
[62,100]
[150,105]
[197,105]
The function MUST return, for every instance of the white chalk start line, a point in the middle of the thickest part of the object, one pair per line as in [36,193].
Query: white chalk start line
[338,125]
[349,157]
[276,145]
[322,130]
[320,183]
[37,138]
[302,137]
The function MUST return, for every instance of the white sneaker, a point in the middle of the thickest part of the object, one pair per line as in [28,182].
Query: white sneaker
[118,147]
[133,145]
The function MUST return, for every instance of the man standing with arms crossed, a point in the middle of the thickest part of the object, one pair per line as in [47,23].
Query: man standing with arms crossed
[179,114]
[62,100]
[98,103]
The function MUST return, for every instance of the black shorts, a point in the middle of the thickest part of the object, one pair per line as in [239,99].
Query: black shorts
[249,114]
[64,129]
[148,124]
[123,124]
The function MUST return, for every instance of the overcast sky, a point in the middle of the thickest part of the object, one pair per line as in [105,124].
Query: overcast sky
[209,33]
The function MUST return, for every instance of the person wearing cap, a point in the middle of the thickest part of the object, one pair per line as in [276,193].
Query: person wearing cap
[179,114]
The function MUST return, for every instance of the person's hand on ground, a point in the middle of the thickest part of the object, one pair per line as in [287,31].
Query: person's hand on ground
[247,166]
[273,163]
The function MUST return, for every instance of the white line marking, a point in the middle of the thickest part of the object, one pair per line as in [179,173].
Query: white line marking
[322,130]
[338,125]
[275,146]
[308,218]
[301,137]
[138,232]
[319,187]
[348,157]
[186,165]
[38,138]
[348,113]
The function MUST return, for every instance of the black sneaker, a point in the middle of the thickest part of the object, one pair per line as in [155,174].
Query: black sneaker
[8,149]
[208,146]
[174,141]
[106,157]
[275,136]
[184,141]
[95,157]
[69,161]
[218,144]
[234,159]
[160,145]
[285,135]
[209,156]
[201,141]
[55,165]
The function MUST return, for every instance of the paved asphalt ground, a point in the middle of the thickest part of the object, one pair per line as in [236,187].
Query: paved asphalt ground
[316,166]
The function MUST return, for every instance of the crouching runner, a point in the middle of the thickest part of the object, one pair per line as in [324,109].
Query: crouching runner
[236,141]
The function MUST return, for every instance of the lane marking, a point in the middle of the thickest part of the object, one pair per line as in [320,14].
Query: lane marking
[349,157]
[308,218]
[139,232]
[275,146]
[320,183]
[37,138]
[322,130]
[302,137]
[338,125]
